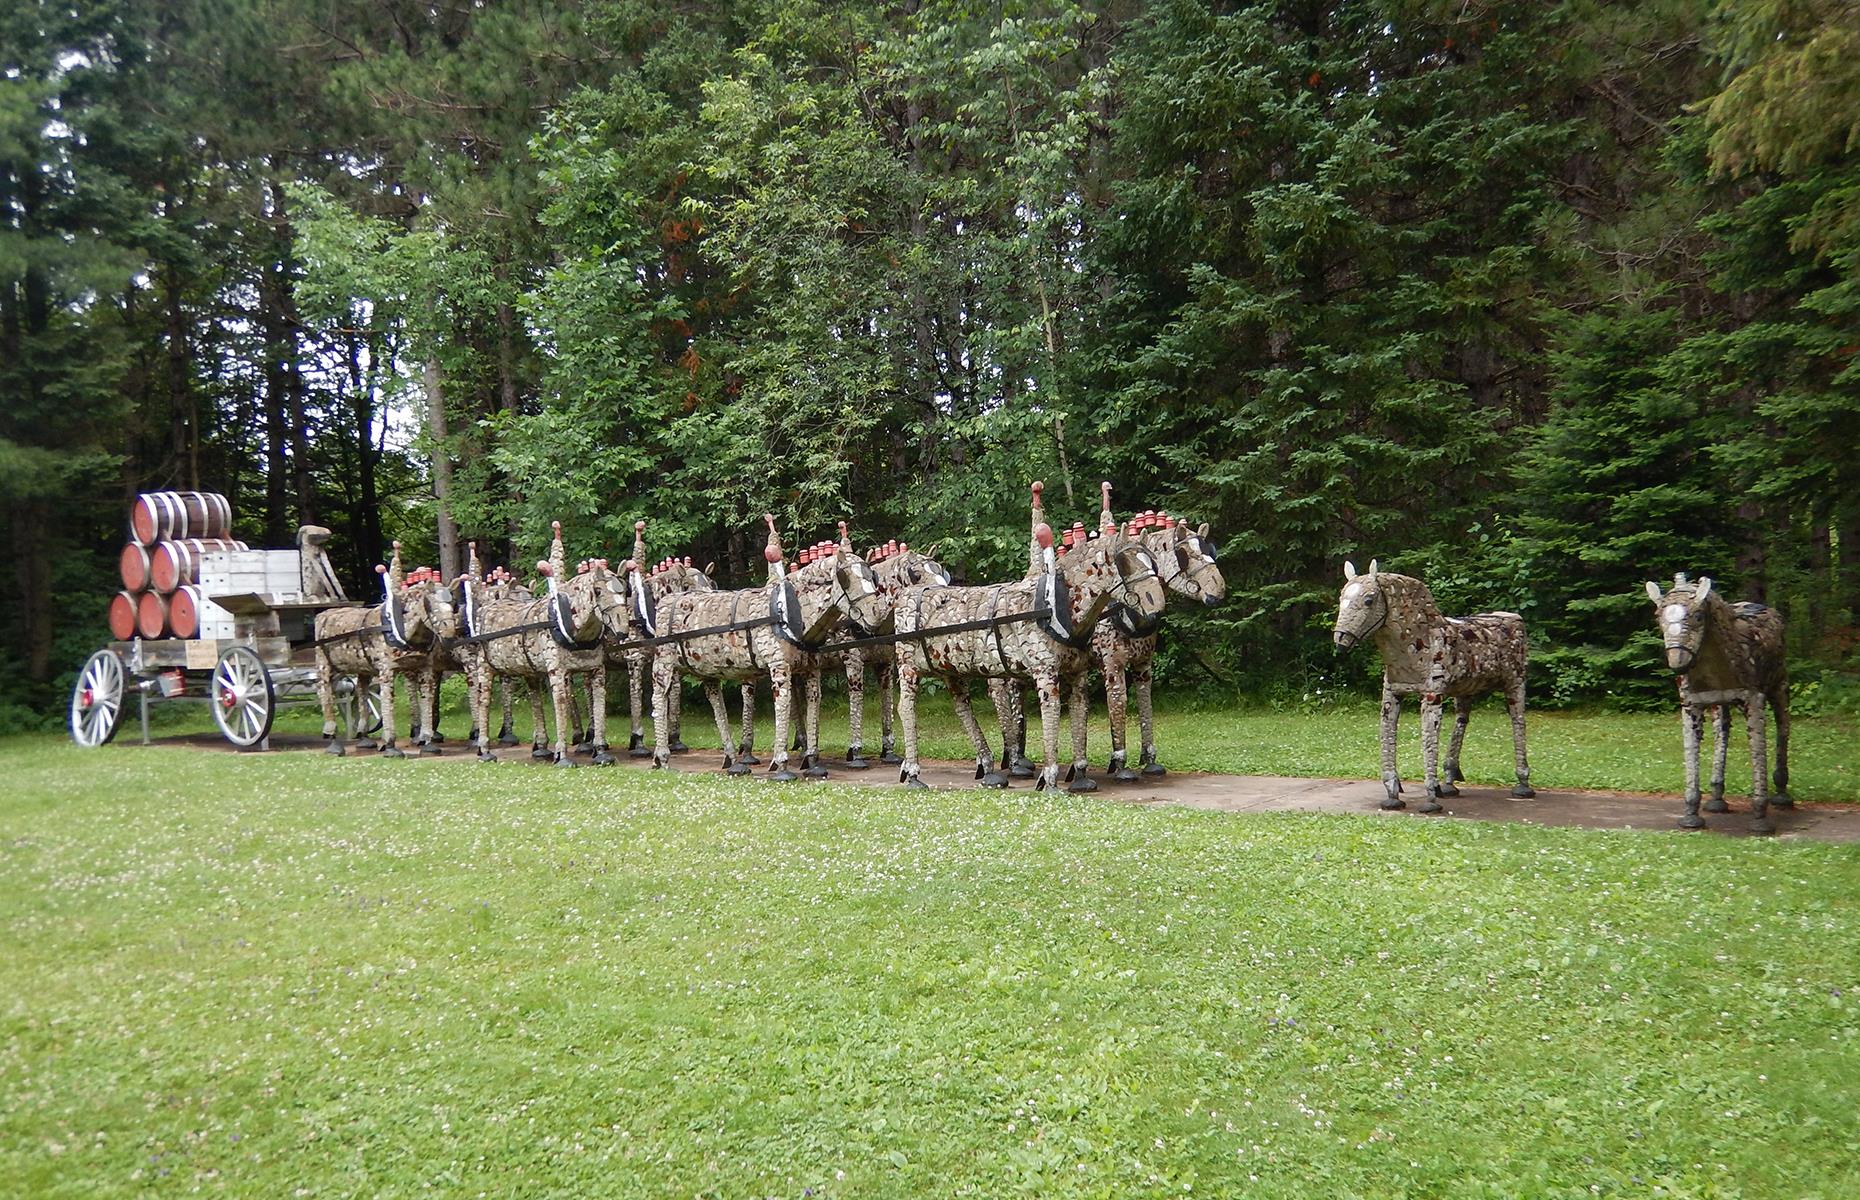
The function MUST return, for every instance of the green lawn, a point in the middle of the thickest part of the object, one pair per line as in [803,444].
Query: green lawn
[256,976]
[1624,751]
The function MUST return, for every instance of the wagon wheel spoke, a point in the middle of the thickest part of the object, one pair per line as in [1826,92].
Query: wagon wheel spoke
[97,699]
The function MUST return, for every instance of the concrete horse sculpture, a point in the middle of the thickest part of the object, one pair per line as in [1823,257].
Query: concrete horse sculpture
[1726,654]
[396,637]
[1437,658]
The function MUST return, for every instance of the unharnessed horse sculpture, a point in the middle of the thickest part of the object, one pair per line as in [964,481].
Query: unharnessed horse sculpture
[1726,654]
[773,630]
[396,637]
[1437,658]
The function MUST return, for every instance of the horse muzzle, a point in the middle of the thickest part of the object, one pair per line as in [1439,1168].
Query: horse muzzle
[1681,658]
[1345,640]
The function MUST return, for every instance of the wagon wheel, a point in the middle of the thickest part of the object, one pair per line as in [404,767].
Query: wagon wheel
[97,700]
[367,710]
[241,695]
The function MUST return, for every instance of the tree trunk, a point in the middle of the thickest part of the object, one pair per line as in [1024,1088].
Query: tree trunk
[183,419]
[442,468]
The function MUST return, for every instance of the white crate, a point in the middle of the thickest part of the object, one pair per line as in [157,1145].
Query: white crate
[215,622]
[274,573]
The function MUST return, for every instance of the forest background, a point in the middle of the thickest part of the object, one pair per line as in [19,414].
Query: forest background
[1536,301]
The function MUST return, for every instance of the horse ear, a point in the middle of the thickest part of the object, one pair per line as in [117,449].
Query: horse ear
[1653,591]
[1203,530]
[710,568]
[1704,588]
[1374,566]
[1349,569]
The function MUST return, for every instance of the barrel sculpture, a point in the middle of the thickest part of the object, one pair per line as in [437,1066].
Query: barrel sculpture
[123,616]
[164,516]
[184,611]
[152,615]
[173,564]
[133,565]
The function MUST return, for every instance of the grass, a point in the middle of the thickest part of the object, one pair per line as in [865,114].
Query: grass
[309,977]
[1635,752]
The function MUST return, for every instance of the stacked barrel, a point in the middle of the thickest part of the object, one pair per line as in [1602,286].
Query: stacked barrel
[160,565]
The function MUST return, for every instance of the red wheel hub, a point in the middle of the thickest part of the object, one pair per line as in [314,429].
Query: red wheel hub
[227,700]
[84,698]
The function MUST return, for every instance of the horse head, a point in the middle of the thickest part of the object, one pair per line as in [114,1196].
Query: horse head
[1362,608]
[1682,615]
[1112,568]
[1186,559]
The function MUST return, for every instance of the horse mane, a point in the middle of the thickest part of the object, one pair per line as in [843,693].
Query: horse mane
[1405,593]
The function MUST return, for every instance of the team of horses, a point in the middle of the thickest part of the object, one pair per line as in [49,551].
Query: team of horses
[1091,600]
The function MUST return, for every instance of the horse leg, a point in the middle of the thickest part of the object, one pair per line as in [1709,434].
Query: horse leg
[427,685]
[746,744]
[1001,696]
[385,673]
[1117,710]
[678,708]
[597,708]
[478,691]
[636,672]
[1691,728]
[539,732]
[781,684]
[1779,704]
[1391,781]
[1721,725]
[1046,684]
[1450,770]
[578,740]
[1759,764]
[855,710]
[663,681]
[907,717]
[713,692]
[1078,778]
[507,736]
[1514,704]
[795,723]
[1431,709]
[810,762]
[961,697]
[887,748]
[562,688]
[1146,720]
[326,696]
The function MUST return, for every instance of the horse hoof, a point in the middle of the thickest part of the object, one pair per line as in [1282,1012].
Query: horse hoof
[565,762]
[604,759]
[540,752]
[1082,783]
[1691,821]
[1432,806]
[678,747]
[736,768]
[437,736]
[747,757]
[1782,800]
[784,775]
[815,772]
[994,779]
[1391,803]
[638,752]
[335,748]
[486,756]
[911,781]
[1125,775]
[890,758]
[430,748]
[1017,771]
[1448,791]
[1762,825]
[393,752]
[507,738]
[659,762]
[1155,770]
[857,764]
[1716,804]
[1523,791]
[367,743]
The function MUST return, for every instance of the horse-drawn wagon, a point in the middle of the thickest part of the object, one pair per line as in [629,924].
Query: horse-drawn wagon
[205,618]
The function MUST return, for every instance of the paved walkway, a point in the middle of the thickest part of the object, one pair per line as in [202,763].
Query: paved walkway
[1270,793]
